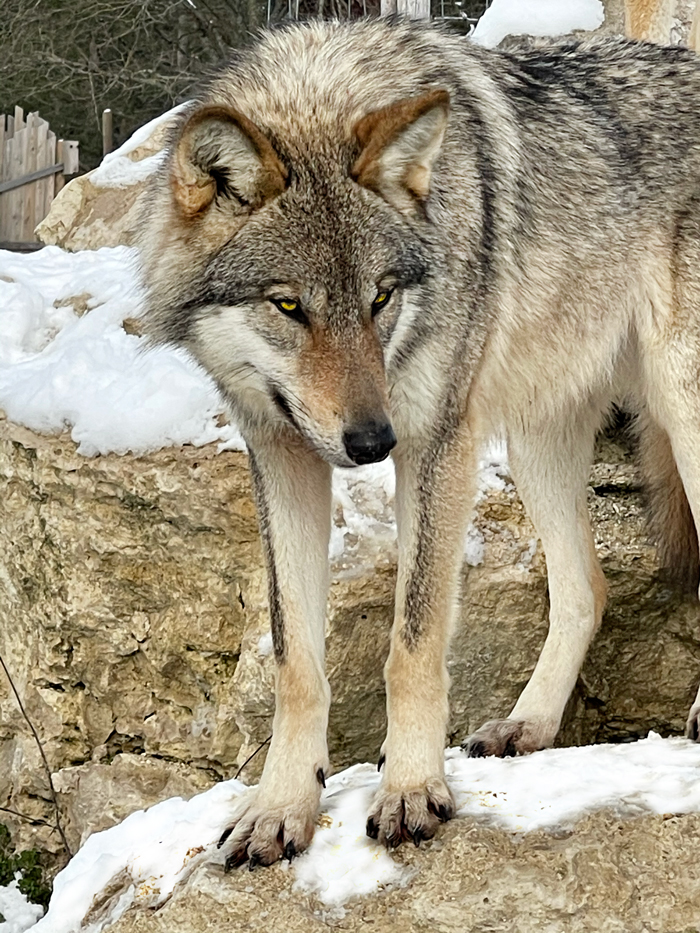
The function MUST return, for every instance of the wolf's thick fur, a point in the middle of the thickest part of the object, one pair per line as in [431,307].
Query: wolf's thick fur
[380,231]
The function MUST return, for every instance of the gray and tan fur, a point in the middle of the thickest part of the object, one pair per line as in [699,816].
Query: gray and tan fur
[379,233]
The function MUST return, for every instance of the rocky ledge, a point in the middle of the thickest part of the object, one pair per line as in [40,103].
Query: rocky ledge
[133,610]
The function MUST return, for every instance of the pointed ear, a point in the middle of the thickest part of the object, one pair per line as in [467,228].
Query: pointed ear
[399,147]
[219,153]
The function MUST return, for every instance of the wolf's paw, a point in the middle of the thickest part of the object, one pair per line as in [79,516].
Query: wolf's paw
[505,738]
[692,726]
[262,834]
[397,816]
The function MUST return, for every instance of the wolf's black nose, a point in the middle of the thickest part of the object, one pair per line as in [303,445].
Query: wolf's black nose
[369,442]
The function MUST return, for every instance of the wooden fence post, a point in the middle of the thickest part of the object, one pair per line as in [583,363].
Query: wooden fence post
[32,171]
[107,132]
[414,9]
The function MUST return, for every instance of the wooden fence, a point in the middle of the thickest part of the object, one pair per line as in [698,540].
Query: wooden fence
[33,166]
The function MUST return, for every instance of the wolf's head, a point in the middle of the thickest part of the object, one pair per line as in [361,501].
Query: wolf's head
[284,264]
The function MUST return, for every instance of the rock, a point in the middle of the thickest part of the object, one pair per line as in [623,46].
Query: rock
[87,216]
[97,795]
[92,210]
[133,601]
[632,876]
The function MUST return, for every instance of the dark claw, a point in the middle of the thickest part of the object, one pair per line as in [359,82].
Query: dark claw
[443,812]
[417,836]
[253,862]
[235,859]
[224,836]
[510,750]
[372,829]
[290,851]
[321,777]
[380,763]
[476,750]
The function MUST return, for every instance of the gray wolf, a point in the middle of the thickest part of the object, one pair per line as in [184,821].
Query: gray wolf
[380,239]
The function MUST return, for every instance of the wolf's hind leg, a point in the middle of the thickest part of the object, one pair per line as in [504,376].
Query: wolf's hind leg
[673,385]
[293,494]
[683,426]
[692,726]
[434,492]
[550,464]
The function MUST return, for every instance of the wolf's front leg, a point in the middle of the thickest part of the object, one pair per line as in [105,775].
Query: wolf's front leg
[434,492]
[293,495]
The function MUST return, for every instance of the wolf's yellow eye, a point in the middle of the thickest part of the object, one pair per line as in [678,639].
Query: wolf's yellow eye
[380,301]
[292,309]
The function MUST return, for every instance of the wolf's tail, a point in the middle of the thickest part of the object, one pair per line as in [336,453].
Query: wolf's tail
[671,520]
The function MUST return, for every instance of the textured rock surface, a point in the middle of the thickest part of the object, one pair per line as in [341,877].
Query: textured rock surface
[88,215]
[133,609]
[606,876]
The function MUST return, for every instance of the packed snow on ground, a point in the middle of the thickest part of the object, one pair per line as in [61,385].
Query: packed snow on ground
[62,369]
[142,859]
[19,914]
[536,18]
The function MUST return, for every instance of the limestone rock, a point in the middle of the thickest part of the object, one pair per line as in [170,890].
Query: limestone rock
[633,876]
[89,214]
[97,795]
[133,608]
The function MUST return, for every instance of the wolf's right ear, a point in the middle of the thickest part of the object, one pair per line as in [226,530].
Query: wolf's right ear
[220,152]
[400,144]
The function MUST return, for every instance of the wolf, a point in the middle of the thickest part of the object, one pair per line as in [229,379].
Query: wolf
[380,239]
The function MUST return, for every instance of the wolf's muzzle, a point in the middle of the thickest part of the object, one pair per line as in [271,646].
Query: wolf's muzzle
[369,442]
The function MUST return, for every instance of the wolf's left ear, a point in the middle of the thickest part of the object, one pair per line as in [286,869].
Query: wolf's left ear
[400,144]
[221,154]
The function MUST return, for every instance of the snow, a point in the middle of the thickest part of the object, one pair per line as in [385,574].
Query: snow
[19,914]
[117,170]
[536,18]
[141,860]
[60,369]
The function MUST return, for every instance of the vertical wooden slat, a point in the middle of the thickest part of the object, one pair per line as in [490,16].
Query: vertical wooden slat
[44,187]
[9,205]
[7,197]
[107,132]
[51,157]
[3,197]
[19,142]
[29,191]
[27,145]
[2,144]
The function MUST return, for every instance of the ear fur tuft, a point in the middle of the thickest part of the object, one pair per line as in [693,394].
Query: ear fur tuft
[220,151]
[400,144]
